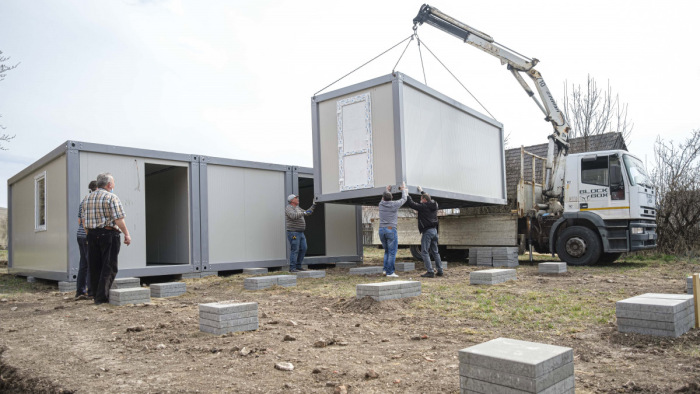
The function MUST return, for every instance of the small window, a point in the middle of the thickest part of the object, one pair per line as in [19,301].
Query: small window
[617,184]
[40,202]
[595,171]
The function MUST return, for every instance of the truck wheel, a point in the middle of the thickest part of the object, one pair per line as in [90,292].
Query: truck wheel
[578,245]
[607,258]
[415,252]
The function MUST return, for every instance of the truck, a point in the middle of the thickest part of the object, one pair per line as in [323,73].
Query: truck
[587,207]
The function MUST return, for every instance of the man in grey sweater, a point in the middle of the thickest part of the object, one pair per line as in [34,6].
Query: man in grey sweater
[295,231]
[388,218]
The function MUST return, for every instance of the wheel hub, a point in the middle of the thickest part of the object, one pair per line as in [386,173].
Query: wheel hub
[575,247]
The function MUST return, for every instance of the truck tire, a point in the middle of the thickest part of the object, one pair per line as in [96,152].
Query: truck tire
[415,252]
[578,245]
[607,258]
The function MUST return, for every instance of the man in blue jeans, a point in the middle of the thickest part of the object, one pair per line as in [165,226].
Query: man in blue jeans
[428,227]
[388,218]
[295,231]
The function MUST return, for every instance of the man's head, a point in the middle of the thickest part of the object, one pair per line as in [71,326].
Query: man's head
[92,186]
[425,197]
[105,181]
[387,196]
[293,199]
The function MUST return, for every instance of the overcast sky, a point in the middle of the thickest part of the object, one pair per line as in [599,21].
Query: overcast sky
[234,78]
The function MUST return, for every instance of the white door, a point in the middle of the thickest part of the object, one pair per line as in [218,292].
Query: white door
[355,142]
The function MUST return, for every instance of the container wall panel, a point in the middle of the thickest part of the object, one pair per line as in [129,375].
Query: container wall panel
[341,230]
[245,214]
[448,149]
[382,122]
[130,186]
[41,250]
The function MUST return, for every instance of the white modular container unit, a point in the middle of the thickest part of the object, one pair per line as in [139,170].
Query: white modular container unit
[392,129]
[186,213]
[159,192]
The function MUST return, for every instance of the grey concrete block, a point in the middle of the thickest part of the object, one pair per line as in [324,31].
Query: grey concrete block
[404,266]
[126,283]
[263,282]
[221,331]
[366,270]
[668,317]
[551,268]
[479,386]
[204,274]
[523,358]
[228,323]
[657,325]
[228,316]
[346,264]
[311,274]
[389,290]
[647,303]
[654,332]
[129,293]
[530,385]
[171,289]
[492,276]
[689,285]
[128,302]
[254,271]
[191,275]
[67,287]
[227,307]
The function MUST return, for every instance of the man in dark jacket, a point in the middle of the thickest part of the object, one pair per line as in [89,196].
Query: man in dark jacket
[428,227]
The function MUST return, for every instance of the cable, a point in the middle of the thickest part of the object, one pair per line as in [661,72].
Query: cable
[421,60]
[460,82]
[334,82]
[402,53]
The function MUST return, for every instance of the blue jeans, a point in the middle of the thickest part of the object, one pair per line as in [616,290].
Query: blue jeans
[81,286]
[429,243]
[297,249]
[390,243]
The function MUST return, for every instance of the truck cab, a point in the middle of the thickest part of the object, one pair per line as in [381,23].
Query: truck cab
[609,194]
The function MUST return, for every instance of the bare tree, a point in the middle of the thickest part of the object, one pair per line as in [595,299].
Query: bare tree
[677,180]
[592,111]
[3,70]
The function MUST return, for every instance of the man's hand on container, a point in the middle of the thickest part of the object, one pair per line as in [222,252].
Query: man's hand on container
[420,189]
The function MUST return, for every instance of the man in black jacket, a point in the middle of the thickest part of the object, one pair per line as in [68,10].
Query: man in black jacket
[428,227]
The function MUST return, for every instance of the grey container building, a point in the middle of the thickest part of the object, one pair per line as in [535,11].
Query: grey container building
[186,213]
[392,129]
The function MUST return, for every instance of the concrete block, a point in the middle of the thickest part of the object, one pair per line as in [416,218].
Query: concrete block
[389,290]
[129,296]
[228,307]
[689,284]
[171,289]
[191,275]
[254,271]
[67,287]
[522,358]
[126,283]
[228,316]
[645,303]
[492,276]
[263,282]
[477,386]
[31,279]
[346,264]
[204,274]
[668,317]
[405,266]
[366,270]
[654,332]
[503,378]
[311,274]
[551,268]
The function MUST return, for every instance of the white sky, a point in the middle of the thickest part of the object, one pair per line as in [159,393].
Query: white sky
[234,78]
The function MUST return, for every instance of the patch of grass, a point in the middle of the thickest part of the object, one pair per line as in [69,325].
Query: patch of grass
[10,284]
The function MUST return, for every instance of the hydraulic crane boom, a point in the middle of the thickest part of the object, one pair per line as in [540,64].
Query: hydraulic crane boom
[516,64]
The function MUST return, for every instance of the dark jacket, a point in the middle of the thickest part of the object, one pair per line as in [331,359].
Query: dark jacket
[427,214]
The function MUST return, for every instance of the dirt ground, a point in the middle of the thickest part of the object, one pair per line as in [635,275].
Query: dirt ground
[51,343]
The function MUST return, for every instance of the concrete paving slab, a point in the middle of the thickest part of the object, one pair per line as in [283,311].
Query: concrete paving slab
[404,266]
[254,271]
[227,307]
[126,283]
[530,385]
[346,264]
[69,287]
[366,270]
[311,274]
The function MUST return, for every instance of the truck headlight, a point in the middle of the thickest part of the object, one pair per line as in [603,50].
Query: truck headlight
[637,230]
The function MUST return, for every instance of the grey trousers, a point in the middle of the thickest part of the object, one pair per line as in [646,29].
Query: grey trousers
[429,247]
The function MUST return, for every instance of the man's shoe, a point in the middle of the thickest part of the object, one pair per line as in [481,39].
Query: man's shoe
[392,276]
[384,273]
[428,275]
[440,274]
[302,269]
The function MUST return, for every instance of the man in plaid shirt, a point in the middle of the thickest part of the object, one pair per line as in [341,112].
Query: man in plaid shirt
[103,218]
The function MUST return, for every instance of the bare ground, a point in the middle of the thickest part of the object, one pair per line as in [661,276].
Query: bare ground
[51,343]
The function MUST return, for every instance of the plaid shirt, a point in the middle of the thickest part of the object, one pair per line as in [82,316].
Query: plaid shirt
[100,209]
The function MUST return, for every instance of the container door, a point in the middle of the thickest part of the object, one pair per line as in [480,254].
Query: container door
[355,143]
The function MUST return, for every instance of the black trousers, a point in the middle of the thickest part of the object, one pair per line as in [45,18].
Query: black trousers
[103,248]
